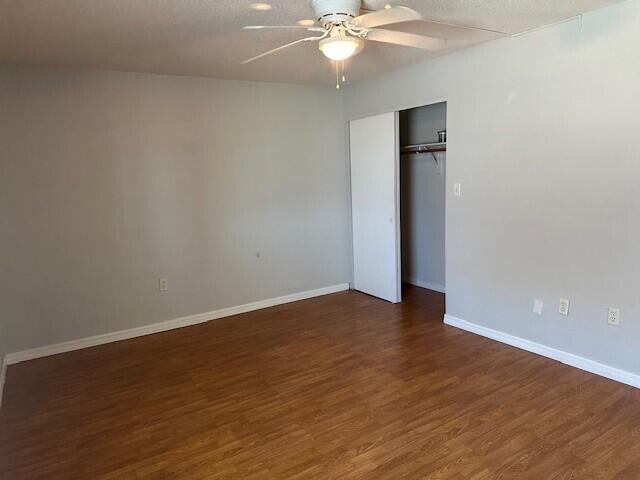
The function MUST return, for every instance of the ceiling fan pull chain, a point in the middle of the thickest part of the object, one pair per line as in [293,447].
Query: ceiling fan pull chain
[337,76]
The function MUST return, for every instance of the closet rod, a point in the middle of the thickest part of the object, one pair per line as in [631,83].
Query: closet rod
[417,152]
[424,148]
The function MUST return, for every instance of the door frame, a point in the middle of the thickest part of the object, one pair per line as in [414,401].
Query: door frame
[396,168]
[397,110]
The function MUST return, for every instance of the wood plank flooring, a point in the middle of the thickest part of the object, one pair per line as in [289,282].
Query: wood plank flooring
[337,387]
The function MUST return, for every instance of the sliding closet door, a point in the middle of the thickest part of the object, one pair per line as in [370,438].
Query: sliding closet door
[375,205]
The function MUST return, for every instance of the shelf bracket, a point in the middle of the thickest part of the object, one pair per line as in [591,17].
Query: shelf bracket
[424,148]
[435,159]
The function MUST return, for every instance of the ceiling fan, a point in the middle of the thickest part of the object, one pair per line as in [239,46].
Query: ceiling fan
[342,31]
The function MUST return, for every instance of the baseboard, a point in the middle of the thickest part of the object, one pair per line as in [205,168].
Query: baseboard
[39,352]
[436,287]
[3,373]
[576,361]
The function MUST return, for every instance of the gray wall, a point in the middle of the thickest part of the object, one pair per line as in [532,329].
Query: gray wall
[543,138]
[422,124]
[110,180]
[422,198]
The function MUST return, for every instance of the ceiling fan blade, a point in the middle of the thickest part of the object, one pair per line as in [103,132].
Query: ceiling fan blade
[281,27]
[307,39]
[406,39]
[387,17]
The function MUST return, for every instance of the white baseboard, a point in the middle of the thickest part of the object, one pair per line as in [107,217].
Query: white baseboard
[39,352]
[576,361]
[436,287]
[3,373]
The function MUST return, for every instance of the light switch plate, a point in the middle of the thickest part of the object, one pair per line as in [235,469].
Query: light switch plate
[457,189]
[538,306]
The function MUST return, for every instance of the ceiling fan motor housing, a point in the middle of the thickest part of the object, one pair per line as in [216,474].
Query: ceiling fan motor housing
[335,11]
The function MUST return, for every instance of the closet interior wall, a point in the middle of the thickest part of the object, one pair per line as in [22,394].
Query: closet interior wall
[422,198]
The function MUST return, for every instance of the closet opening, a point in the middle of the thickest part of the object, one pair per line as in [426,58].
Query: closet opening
[423,162]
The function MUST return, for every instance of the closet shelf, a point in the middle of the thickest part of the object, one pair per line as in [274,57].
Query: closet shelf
[419,148]
[424,148]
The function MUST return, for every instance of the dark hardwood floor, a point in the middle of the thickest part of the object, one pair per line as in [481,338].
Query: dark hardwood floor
[338,387]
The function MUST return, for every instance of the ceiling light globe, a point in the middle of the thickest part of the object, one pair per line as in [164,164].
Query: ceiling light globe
[340,47]
[261,7]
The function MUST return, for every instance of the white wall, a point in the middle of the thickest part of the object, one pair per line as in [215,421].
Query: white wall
[422,198]
[543,136]
[111,180]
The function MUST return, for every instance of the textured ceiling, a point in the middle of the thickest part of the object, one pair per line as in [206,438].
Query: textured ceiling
[204,37]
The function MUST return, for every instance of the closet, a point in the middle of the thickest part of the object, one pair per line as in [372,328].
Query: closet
[423,160]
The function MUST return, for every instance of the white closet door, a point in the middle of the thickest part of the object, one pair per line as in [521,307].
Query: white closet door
[375,205]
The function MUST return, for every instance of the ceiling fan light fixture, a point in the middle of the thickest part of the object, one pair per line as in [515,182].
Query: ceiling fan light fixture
[340,47]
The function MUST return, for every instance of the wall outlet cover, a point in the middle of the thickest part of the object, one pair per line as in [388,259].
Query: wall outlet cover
[163,284]
[563,309]
[613,317]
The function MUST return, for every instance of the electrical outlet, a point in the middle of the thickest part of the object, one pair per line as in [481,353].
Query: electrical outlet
[538,305]
[564,307]
[613,318]
[457,189]
[163,284]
